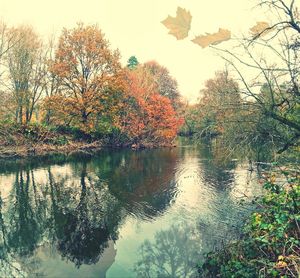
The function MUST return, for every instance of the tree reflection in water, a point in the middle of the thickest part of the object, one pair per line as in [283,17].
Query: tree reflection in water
[79,217]
[78,211]
[143,182]
[89,225]
[174,253]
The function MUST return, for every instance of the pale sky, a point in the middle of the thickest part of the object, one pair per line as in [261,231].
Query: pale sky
[134,27]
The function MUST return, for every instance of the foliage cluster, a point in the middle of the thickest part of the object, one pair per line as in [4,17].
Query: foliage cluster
[240,126]
[30,134]
[270,244]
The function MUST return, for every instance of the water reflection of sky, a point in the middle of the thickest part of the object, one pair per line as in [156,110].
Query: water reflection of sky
[121,213]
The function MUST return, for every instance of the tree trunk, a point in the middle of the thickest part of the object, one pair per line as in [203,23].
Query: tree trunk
[84,117]
[21,114]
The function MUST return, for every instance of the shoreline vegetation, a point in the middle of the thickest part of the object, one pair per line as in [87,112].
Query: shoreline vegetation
[25,151]
[35,140]
[29,151]
[269,245]
[28,141]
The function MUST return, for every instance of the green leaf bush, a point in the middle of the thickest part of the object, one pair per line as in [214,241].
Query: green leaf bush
[270,243]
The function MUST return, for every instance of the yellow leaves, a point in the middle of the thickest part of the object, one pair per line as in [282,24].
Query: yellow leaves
[180,25]
[257,218]
[273,179]
[280,258]
[212,39]
[281,264]
[260,29]
[284,262]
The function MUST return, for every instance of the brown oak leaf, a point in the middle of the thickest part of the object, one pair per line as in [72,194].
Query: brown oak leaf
[212,39]
[180,25]
[260,29]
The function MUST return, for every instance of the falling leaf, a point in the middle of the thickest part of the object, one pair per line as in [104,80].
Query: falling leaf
[180,25]
[260,29]
[212,39]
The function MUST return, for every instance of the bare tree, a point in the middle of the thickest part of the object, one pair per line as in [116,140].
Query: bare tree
[52,81]
[271,57]
[7,41]
[27,71]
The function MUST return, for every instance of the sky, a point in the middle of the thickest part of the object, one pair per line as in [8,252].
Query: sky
[135,28]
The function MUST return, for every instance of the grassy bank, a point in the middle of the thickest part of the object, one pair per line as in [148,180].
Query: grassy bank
[36,140]
[270,243]
[18,141]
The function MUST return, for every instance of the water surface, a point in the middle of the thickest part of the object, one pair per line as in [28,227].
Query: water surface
[120,213]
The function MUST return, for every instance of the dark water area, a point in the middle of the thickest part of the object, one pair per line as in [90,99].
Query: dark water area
[119,213]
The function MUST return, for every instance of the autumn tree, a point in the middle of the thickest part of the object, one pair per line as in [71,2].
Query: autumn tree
[148,117]
[192,116]
[89,75]
[166,85]
[51,80]
[239,124]
[220,100]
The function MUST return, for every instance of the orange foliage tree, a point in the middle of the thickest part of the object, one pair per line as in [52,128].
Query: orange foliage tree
[148,117]
[90,78]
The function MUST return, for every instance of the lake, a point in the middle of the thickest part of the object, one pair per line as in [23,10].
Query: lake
[119,213]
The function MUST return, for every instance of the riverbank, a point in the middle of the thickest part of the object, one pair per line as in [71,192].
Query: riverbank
[270,242]
[21,141]
[23,151]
